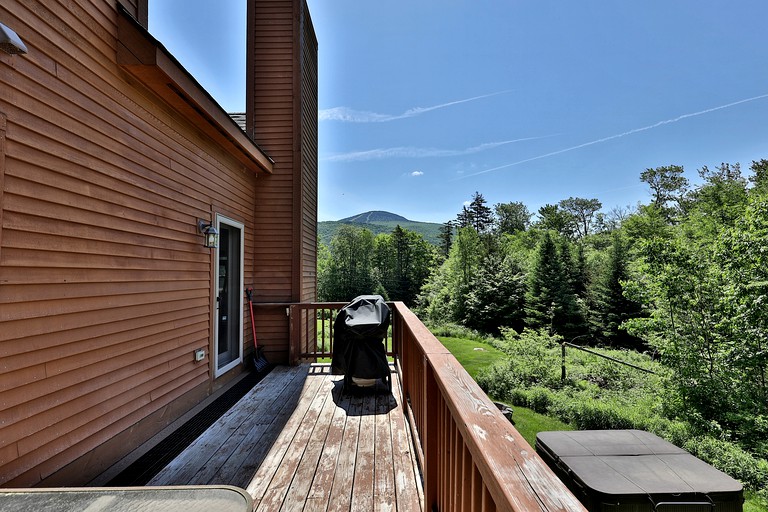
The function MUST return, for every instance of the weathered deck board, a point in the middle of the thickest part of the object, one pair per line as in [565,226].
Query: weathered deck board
[341,492]
[295,442]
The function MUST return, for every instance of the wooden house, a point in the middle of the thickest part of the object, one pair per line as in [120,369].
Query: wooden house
[115,319]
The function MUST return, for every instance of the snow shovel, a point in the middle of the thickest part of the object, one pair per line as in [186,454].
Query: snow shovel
[259,362]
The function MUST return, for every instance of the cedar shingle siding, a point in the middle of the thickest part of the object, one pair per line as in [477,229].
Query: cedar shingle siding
[105,287]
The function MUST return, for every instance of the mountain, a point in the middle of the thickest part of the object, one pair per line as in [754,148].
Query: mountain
[379,222]
[373,218]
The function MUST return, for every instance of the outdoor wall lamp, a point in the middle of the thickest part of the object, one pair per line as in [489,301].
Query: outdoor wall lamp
[210,232]
[10,42]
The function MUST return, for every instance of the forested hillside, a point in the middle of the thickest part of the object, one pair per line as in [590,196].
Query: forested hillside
[377,223]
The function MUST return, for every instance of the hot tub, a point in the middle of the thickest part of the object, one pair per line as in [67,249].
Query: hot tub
[635,471]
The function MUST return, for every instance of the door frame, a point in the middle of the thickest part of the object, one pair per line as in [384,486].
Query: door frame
[218,372]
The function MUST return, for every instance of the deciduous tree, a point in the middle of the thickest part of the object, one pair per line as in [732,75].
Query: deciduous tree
[583,212]
[552,217]
[512,217]
[668,186]
[349,270]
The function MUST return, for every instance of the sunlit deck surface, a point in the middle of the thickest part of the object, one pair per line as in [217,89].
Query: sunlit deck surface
[296,442]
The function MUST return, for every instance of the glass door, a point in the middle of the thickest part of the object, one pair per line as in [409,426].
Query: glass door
[229,295]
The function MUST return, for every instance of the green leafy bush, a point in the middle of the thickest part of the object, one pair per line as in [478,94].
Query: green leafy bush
[449,330]
[730,459]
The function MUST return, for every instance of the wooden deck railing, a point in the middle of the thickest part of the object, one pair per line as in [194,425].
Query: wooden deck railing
[472,458]
[311,327]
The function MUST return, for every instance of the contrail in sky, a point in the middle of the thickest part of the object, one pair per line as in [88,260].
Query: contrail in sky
[412,152]
[349,115]
[617,136]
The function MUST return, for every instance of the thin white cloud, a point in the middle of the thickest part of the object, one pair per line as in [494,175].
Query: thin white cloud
[617,136]
[350,115]
[417,173]
[413,152]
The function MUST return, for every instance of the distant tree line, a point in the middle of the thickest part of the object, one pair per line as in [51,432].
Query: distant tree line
[559,269]
[393,265]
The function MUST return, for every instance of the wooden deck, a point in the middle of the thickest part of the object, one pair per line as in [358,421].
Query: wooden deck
[296,443]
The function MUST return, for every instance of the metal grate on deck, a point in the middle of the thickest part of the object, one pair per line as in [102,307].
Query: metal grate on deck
[143,469]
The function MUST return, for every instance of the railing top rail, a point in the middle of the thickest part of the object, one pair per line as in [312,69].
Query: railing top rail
[428,342]
[302,305]
[517,478]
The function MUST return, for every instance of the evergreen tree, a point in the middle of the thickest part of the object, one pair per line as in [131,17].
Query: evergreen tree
[497,296]
[481,216]
[550,301]
[446,238]
[572,317]
[464,218]
[613,306]
[581,278]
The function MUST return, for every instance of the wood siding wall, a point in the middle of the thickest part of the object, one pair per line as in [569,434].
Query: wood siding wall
[139,9]
[282,101]
[105,287]
[309,155]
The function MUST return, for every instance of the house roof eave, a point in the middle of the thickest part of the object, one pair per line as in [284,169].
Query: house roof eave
[147,60]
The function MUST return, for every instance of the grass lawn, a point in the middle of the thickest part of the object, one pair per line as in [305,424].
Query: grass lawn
[530,423]
[473,355]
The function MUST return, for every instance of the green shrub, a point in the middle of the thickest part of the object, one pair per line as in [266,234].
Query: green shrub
[594,415]
[540,399]
[675,431]
[498,381]
[459,331]
[729,458]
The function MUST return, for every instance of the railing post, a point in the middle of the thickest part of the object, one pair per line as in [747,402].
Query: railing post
[398,346]
[429,437]
[562,373]
[294,334]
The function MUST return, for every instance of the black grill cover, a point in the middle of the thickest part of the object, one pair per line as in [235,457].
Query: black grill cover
[358,339]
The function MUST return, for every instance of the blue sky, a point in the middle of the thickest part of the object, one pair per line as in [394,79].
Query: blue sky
[424,103]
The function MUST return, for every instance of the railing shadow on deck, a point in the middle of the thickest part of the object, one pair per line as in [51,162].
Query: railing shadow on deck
[471,457]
